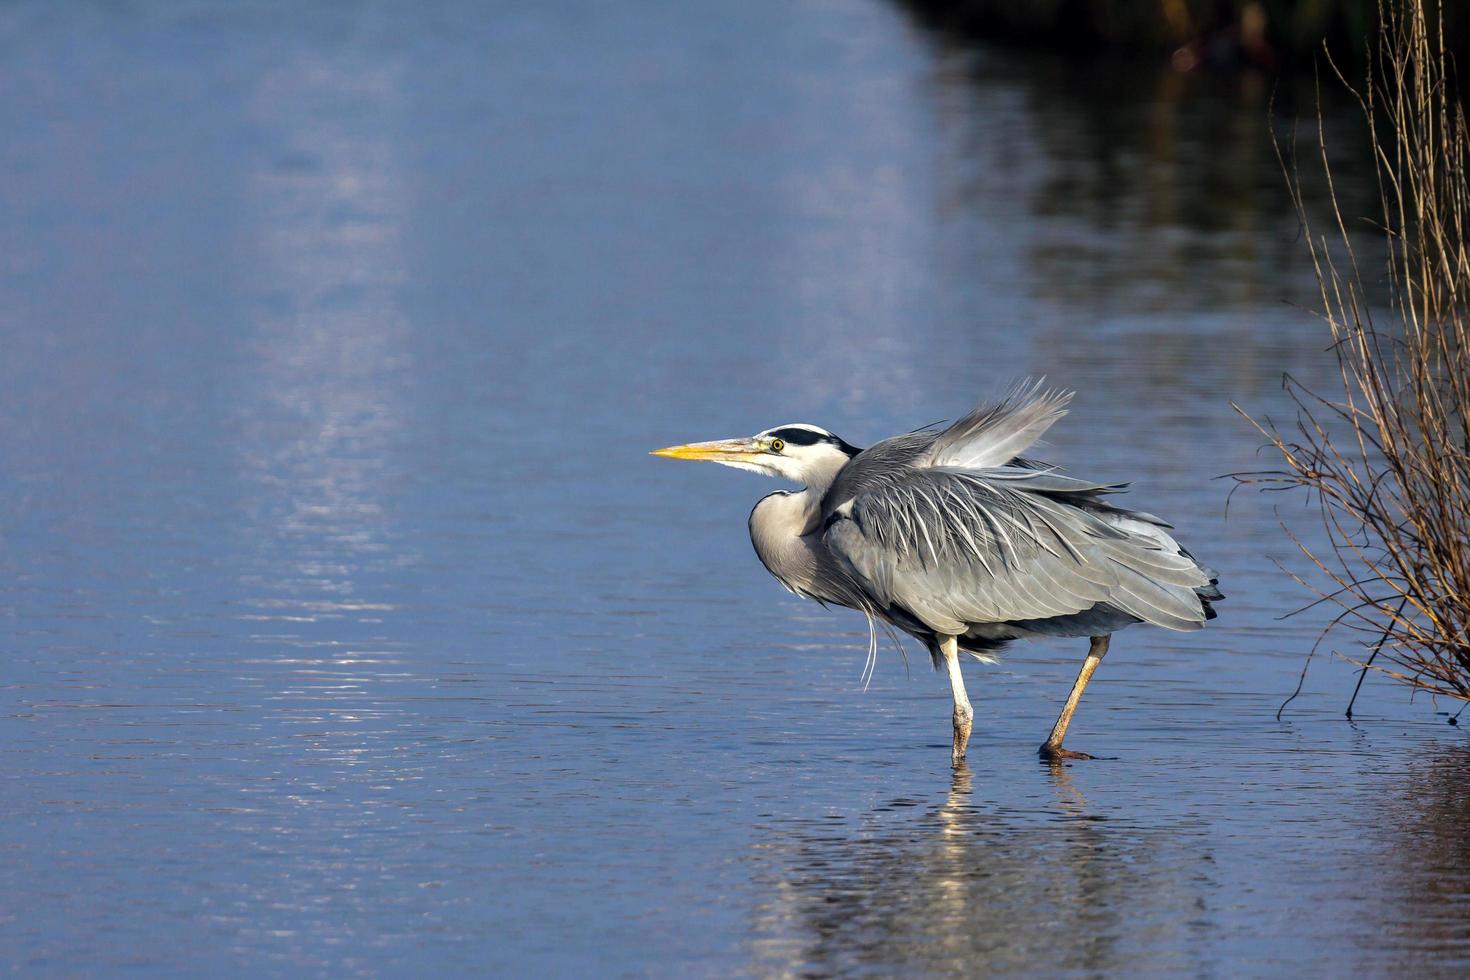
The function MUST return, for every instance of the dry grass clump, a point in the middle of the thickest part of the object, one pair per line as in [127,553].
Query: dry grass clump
[1388,456]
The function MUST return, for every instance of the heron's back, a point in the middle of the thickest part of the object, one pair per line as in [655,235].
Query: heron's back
[938,537]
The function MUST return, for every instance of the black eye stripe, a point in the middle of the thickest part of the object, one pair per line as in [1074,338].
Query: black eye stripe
[801,437]
[793,436]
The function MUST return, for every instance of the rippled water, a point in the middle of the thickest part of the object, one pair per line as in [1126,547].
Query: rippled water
[350,630]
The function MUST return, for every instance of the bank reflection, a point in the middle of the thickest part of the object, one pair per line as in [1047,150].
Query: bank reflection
[1426,872]
[968,887]
[1134,182]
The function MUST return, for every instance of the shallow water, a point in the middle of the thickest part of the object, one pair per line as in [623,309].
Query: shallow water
[350,630]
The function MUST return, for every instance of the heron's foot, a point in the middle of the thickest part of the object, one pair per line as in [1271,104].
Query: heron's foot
[1055,753]
[961,735]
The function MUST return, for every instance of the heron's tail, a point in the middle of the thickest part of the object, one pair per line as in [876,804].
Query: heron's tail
[1208,593]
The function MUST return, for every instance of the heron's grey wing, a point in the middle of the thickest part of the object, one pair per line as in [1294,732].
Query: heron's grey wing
[875,464]
[993,435]
[958,547]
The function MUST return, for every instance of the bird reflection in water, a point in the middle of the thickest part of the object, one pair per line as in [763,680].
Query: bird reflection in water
[970,886]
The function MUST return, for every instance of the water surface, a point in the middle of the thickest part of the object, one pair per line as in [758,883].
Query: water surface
[350,630]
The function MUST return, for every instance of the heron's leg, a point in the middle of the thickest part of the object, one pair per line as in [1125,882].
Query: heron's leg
[1052,749]
[963,713]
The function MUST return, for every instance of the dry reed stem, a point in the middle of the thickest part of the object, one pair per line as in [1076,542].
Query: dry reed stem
[1394,493]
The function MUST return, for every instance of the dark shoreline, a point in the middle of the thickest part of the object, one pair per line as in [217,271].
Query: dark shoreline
[1262,34]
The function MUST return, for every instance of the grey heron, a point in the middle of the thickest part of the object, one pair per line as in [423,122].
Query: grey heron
[954,537]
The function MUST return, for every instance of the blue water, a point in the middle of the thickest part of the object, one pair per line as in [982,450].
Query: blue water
[348,629]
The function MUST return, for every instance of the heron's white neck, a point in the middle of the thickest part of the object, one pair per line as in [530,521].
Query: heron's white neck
[778,526]
[799,513]
[782,527]
[817,473]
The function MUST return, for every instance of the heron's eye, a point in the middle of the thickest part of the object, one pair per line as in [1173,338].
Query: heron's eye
[777,445]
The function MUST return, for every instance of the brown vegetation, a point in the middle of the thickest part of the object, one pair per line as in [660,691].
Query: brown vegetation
[1388,456]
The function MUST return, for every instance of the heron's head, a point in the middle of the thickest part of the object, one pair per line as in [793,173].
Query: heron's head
[802,453]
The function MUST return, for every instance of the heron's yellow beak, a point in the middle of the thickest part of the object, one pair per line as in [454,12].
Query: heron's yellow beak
[720,450]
